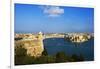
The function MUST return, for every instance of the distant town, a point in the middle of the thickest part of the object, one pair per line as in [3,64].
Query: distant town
[74,37]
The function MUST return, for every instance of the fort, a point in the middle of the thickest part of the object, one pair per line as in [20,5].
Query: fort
[33,45]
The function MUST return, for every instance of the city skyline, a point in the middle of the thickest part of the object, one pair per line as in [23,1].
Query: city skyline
[31,18]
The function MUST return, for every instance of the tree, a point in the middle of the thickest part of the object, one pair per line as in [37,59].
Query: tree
[61,57]
[44,53]
[20,51]
[50,59]
[75,58]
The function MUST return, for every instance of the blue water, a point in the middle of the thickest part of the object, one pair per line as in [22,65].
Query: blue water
[55,45]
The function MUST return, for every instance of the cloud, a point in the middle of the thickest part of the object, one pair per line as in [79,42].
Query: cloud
[53,11]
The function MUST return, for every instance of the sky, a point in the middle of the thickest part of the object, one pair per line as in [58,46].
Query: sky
[30,18]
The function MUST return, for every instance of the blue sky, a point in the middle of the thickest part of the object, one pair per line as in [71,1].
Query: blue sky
[30,18]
